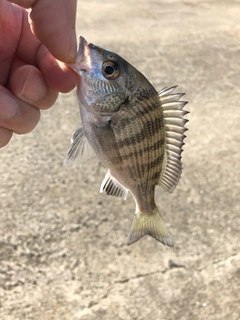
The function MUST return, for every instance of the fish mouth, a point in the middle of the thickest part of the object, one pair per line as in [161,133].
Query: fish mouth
[83,62]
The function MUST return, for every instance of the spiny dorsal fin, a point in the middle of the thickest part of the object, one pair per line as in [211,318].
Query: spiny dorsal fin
[113,187]
[80,150]
[174,128]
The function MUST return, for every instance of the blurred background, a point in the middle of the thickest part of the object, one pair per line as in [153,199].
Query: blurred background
[63,252]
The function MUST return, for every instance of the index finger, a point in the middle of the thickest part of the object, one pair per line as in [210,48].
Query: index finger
[53,23]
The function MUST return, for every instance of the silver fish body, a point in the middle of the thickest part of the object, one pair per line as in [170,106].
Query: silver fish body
[136,132]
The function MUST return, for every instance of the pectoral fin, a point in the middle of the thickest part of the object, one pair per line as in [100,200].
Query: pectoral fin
[80,150]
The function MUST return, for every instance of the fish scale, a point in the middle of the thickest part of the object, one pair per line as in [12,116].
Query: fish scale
[140,165]
[136,132]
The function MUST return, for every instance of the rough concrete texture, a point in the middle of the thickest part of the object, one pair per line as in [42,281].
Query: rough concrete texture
[63,252]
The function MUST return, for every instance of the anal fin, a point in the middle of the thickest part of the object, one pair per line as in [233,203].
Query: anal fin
[112,187]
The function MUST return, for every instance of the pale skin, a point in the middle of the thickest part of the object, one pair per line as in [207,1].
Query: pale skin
[34,52]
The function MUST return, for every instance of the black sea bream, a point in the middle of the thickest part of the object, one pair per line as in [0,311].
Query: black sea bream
[136,132]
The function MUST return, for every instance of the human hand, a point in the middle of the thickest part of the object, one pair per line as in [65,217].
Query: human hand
[30,75]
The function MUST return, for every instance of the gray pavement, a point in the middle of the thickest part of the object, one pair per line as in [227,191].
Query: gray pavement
[63,252]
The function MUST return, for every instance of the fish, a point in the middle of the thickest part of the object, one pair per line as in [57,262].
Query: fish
[136,132]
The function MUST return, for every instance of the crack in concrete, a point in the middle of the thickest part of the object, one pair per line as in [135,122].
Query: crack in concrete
[139,276]
[171,265]
[217,262]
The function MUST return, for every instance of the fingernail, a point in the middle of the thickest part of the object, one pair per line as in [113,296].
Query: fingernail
[72,51]
[9,107]
[34,87]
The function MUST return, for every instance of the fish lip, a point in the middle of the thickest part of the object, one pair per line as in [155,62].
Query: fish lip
[83,62]
[82,45]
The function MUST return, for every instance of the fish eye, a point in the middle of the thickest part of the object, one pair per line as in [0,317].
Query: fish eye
[110,70]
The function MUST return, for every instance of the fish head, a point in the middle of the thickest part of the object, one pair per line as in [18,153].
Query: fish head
[106,80]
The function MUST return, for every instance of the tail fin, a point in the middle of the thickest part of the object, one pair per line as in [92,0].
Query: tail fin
[151,224]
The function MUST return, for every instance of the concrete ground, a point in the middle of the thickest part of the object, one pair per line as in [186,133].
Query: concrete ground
[63,252]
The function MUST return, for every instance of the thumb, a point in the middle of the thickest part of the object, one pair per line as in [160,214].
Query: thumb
[53,23]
